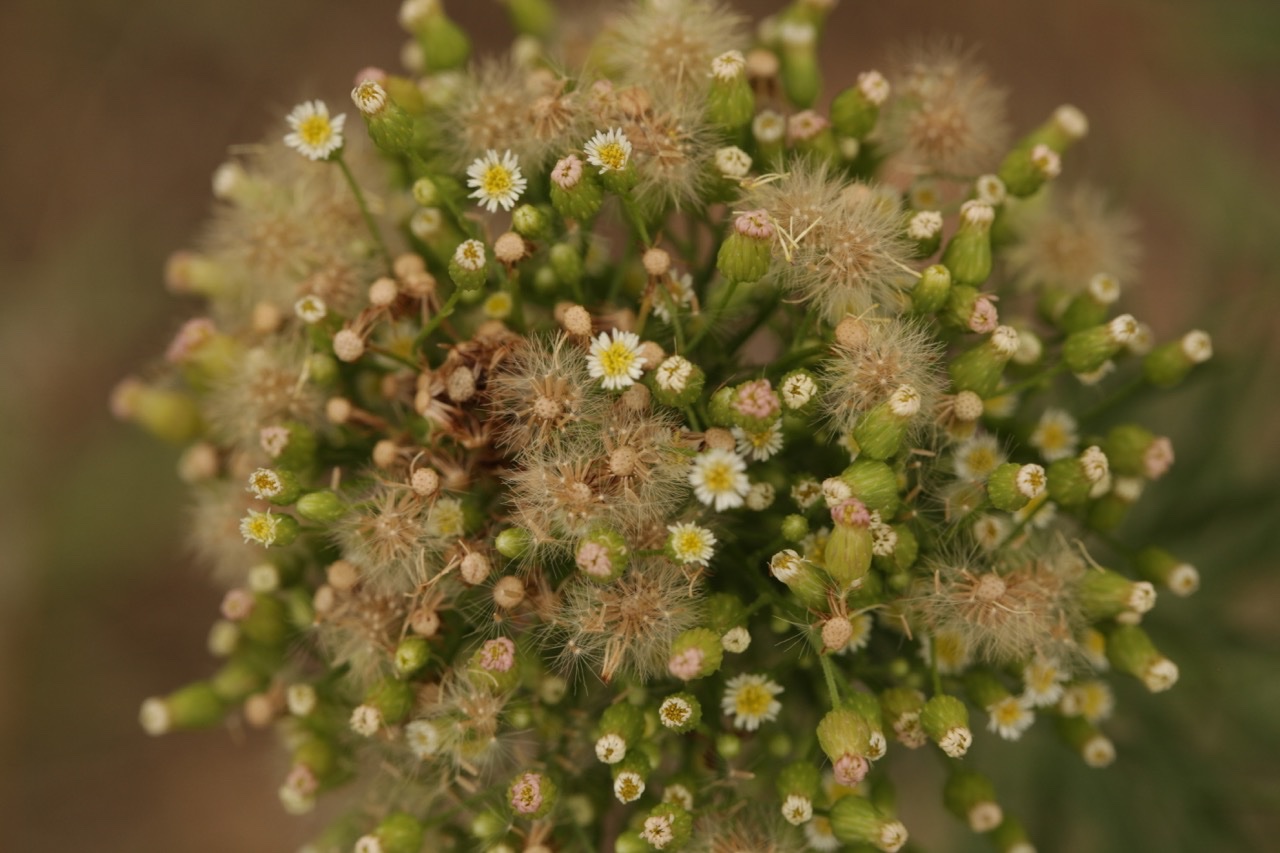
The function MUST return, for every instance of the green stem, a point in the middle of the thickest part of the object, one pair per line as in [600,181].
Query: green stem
[933,666]
[434,323]
[369,221]
[715,315]
[692,418]
[1035,379]
[634,217]
[1122,394]
[829,673]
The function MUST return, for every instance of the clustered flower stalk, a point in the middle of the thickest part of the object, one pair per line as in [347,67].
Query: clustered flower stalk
[615,450]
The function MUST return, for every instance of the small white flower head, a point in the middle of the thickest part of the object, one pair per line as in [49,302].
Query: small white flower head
[805,125]
[263,578]
[797,810]
[797,390]
[728,66]
[1046,161]
[628,787]
[608,151]
[820,836]
[1095,376]
[611,748]
[749,699]
[1197,346]
[1183,580]
[260,527]
[369,97]
[228,178]
[224,636]
[956,742]
[615,359]
[678,795]
[977,457]
[990,531]
[1031,481]
[1104,288]
[768,126]
[154,717]
[905,401]
[873,87]
[1030,348]
[426,222]
[836,491]
[736,640]
[1005,340]
[673,374]
[990,190]
[1160,675]
[1042,682]
[1055,435]
[761,445]
[1142,597]
[658,831]
[1093,462]
[498,305]
[567,172]
[265,483]
[414,12]
[368,844]
[719,479]
[1098,751]
[1128,489]
[682,298]
[423,738]
[1009,718]
[974,212]
[733,162]
[893,835]
[806,492]
[884,539]
[310,309]
[1071,121]
[797,34]
[1143,341]
[985,816]
[273,440]
[761,496]
[675,712]
[690,543]
[366,720]
[496,181]
[1122,329]
[313,133]
[470,255]
[924,225]
[300,699]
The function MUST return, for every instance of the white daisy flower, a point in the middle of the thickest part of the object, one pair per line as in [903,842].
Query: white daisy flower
[719,479]
[263,527]
[423,738]
[496,180]
[683,296]
[1042,682]
[820,836]
[608,151]
[690,543]
[806,492]
[759,446]
[749,698]
[310,309]
[313,133]
[977,457]
[616,360]
[1009,718]
[1055,435]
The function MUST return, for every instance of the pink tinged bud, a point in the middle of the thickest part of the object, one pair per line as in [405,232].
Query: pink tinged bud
[754,223]
[237,604]
[756,399]
[370,74]
[498,655]
[1158,458]
[984,317]
[851,769]
[851,513]
[593,558]
[567,172]
[526,793]
[302,780]
[193,334]
[686,665]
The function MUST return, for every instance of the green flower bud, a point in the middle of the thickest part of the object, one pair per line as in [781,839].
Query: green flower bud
[1086,739]
[905,550]
[804,580]
[730,102]
[1108,512]
[900,707]
[855,820]
[724,611]
[875,484]
[968,254]
[676,382]
[399,833]
[847,556]
[1012,486]
[494,665]
[629,776]
[1060,131]
[1090,307]
[236,680]
[316,754]
[292,444]
[844,731]
[668,827]
[1135,451]
[1011,837]
[745,254]
[426,193]
[195,706]
[1131,651]
[971,797]
[800,778]
[1105,594]
[795,528]
[931,290]
[444,44]
[411,655]
[468,267]
[680,712]
[280,487]
[1071,480]
[969,310]
[267,621]
[532,795]
[530,222]
[881,431]
[392,697]
[169,415]
[532,17]
[728,745]
[1086,351]
[984,688]
[979,370]
[489,826]
[720,407]
[946,721]
[631,842]
[854,111]
[576,192]
[513,542]
[323,507]
[1168,364]
[801,77]
[925,228]
[1026,168]
[602,555]
[390,125]
[567,263]
[1160,567]
[622,719]
[696,653]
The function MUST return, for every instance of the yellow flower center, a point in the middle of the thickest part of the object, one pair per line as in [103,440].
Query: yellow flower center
[262,528]
[612,155]
[315,130]
[675,713]
[752,700]
[496,181]
[689,542]
[981,460]
[265,482]
[718,477]
[1007,712]
[616,359]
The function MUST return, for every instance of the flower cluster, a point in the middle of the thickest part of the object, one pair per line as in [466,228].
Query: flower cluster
[636,457]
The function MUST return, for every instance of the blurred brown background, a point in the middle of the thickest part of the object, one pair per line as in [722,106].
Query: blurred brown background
[115,113]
